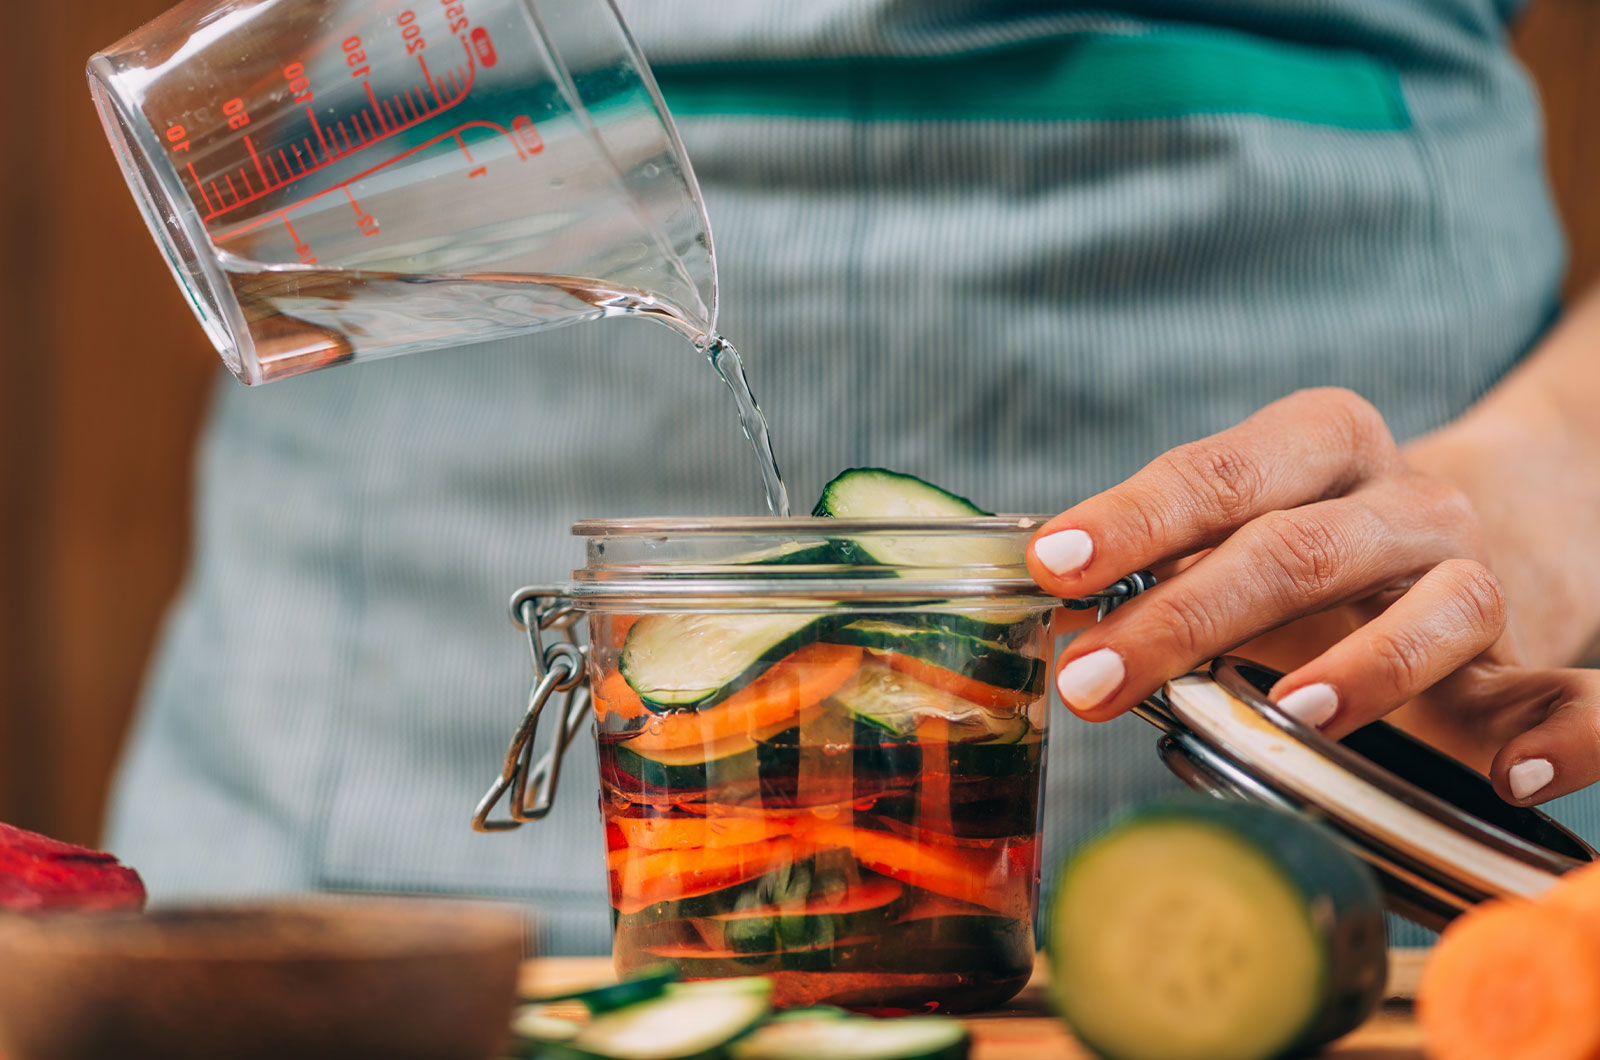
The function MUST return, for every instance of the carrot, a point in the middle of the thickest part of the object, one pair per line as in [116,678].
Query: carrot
[958,684]
[614,698]
[640,879]
[804,677]
[963,875]
[1578,892]
[686,833]
[1512,980]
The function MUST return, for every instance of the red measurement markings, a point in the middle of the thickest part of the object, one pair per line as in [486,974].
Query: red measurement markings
[257,160]
[282,214]
[320,138]
[382,119]
[429,77]
[373,96]
[202,188]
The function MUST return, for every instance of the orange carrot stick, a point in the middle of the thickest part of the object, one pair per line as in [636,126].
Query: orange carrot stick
[685,833]
[614,698]
[807,676]
[958,684]
[1512,980]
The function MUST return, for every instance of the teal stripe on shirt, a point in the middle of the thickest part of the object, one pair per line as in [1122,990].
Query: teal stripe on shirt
[1079,77]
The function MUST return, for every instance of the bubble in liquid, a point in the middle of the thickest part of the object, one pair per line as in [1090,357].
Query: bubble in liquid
[654,728]
[827,812]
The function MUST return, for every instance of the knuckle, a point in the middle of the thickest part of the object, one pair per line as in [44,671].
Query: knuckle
[1356,419]
[1448,506]
[1307,551]
[1401,660]
[1187,629]
[1479,593]
[1222,478]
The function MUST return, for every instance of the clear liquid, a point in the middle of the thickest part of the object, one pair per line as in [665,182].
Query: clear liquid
[302,319]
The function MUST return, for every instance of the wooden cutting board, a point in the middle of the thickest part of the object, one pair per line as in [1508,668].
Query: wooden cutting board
[1026,1029]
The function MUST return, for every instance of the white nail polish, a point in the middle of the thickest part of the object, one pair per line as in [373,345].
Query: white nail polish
[1530,775]
[1065,551]
[1086,681]
[1311,705]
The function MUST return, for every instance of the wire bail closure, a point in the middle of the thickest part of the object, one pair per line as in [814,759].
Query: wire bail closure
[560,669]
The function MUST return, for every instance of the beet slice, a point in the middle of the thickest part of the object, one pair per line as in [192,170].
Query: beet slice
[40,874]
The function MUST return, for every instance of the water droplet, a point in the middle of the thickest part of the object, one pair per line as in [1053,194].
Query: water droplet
[650,169]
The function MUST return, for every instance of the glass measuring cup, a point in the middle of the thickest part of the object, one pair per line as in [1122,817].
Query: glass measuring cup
[334,180]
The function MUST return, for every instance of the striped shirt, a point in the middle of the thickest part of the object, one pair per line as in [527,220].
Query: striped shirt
[1017,249]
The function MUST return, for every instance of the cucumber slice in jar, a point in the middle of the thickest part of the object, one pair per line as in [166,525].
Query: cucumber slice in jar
[688,1020]
[887,699]
[877,493]
[983,661]
[694,661]
[1214,931]
[857,1038]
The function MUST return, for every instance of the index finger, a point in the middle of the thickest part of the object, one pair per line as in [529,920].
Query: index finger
[1311,445]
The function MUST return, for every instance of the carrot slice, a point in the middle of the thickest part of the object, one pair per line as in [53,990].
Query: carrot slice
[1512,980]
[1579,892]
[640,879]
[954,873]
[614,698]
[804,677]
[685,833]
[958,684]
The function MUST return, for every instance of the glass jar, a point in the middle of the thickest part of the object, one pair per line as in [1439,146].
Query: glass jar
[821,747]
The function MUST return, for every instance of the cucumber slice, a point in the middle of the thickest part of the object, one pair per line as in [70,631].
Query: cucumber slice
[641,986]
[1214,930]
[693,661]
[688,1020]
[984,661]
[537,1023]
[895,702]
[820,912]
[857,1038]
[876,493]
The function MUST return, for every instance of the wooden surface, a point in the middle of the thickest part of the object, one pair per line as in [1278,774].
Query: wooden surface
[1026,1029]
[104,375]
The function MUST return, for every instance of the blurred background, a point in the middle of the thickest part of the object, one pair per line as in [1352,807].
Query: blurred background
[104,377]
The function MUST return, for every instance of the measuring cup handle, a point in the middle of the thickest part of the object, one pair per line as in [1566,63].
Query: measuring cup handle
[557,670]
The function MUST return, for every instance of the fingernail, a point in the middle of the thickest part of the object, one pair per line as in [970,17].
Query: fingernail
[1065,551]
[1086,681]
[1311,705]
[1529,776]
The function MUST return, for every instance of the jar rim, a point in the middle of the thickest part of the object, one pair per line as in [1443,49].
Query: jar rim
[756,524]
[630,581]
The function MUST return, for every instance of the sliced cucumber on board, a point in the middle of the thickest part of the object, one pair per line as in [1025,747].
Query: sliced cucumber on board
[877,493]
[984,661]
[686,1021]
[856,1038]
[887,699]
[1214,931]
[641,986]
[693,661]
[538,1023]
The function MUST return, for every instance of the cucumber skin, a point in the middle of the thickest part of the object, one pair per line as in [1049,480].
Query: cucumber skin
[984,661]
[1344,905]
[824,506]
[780,650]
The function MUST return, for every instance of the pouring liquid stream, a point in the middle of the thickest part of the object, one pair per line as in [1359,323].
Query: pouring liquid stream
[302,319]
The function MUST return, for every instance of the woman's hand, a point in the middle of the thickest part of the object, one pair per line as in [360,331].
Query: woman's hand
[1309,511]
